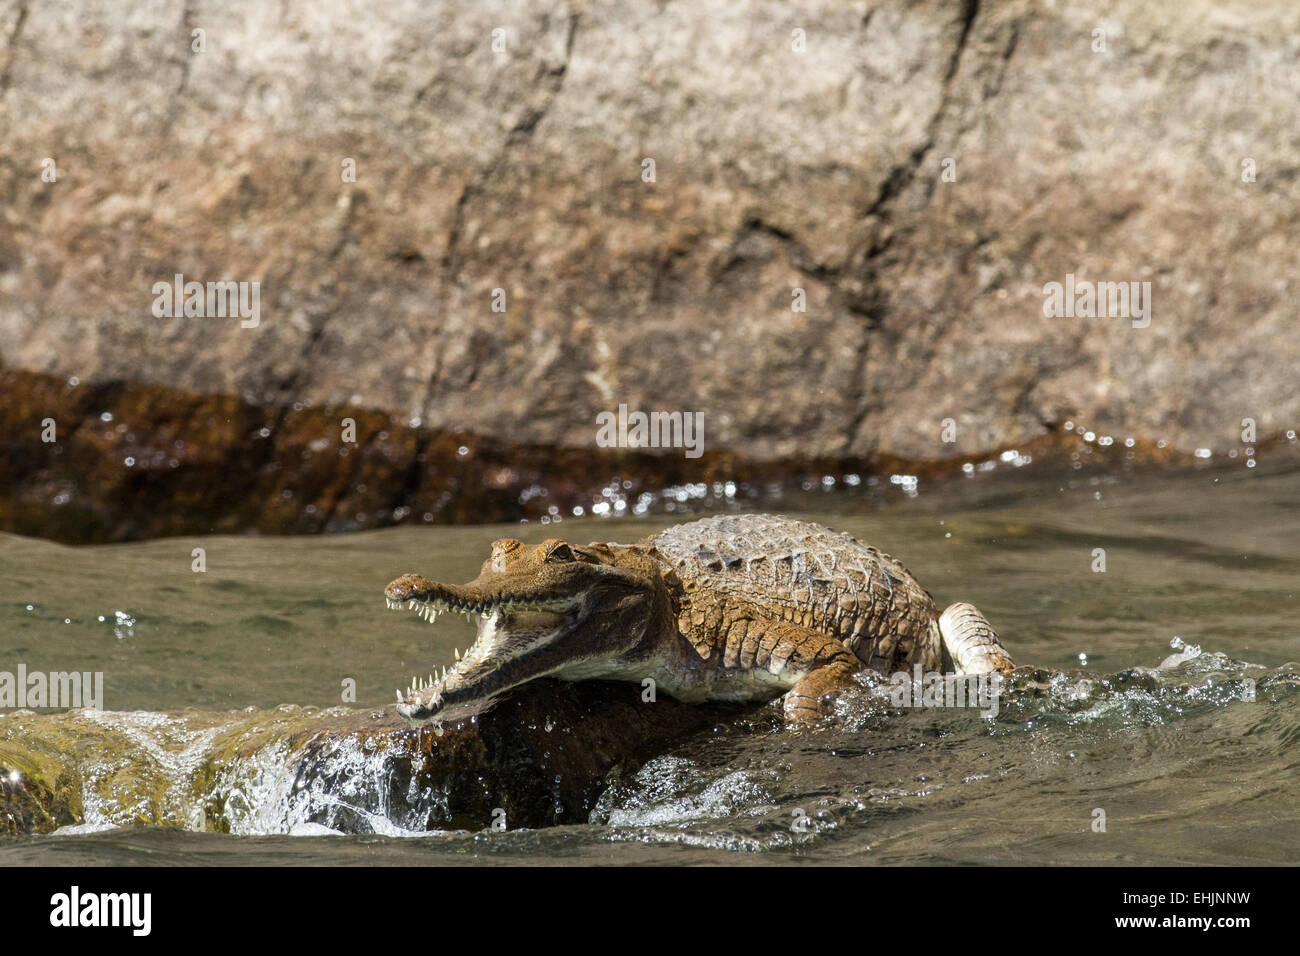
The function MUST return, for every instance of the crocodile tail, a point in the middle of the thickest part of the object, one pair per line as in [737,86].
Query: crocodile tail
[971,642]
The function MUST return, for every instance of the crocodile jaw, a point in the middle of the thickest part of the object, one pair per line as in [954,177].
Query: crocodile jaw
[510,648]
[547,609]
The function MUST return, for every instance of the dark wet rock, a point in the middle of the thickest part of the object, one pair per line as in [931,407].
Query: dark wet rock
[138,461]
[542,759]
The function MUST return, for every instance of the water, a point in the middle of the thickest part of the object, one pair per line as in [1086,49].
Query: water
[1141,708]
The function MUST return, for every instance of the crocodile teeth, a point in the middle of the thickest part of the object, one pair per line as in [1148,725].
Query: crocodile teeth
[457,653]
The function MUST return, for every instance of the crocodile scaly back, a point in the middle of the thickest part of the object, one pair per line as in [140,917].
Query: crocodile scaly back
[804,573]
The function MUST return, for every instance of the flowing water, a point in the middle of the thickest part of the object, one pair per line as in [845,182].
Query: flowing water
[1162,728]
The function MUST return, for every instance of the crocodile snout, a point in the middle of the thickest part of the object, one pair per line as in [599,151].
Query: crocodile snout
[408,586]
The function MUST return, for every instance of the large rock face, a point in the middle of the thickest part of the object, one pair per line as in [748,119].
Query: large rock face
[783,160]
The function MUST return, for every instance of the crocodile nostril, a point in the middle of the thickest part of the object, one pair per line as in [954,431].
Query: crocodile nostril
[406,587]
[398,590]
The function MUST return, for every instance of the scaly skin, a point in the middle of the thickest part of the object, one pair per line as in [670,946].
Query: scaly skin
[738,607]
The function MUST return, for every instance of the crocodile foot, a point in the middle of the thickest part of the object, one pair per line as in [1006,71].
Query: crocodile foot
[971,642]
[814,696]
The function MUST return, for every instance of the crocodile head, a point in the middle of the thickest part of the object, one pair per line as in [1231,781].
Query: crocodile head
[556,609]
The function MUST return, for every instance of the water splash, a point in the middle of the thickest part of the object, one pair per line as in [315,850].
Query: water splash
[344,787]
[150,780]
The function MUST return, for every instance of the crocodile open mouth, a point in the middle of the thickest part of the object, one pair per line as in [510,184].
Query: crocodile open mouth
[511,633]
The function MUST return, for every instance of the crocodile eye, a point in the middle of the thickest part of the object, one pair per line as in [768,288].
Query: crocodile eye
[560,552]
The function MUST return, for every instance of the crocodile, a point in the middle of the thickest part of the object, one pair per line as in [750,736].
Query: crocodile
[744,607]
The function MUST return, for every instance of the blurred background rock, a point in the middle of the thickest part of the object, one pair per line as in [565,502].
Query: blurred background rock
[795,146]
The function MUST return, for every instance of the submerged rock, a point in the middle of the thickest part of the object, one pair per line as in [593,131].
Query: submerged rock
[540,758]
